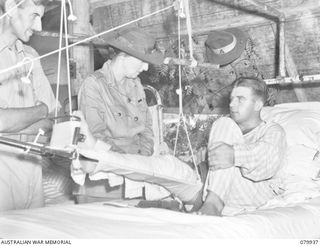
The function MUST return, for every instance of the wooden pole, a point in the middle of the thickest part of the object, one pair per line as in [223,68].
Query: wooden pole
[293,72]
[307,79]
[74,38]
[266,9]
[286,61]
[270,11]
[191,63]
[282,48]
[81,55]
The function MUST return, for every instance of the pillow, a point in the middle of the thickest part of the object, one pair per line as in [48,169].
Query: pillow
[301,122]
[301,162]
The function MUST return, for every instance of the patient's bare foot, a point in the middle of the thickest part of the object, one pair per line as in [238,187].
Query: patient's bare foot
[197,201]
[209,209]
[213,205]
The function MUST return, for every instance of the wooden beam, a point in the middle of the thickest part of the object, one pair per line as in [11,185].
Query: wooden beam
[103,3]
[81,55]
[266,9]
[293,72]
[282,50]
[206,23]
[98,42]
[307,79]
[194,63]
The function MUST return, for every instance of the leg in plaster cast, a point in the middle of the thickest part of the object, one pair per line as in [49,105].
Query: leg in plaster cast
[213,205]
[168,169]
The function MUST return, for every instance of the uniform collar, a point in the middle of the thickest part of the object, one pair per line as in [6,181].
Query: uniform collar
[18,45]
[106,70]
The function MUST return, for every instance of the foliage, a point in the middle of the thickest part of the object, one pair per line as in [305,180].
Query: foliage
[203,89]
[198,130]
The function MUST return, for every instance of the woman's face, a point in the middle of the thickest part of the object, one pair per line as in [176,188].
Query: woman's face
[134,66]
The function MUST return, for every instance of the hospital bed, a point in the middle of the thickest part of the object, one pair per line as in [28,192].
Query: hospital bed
[118,220]
[294,214]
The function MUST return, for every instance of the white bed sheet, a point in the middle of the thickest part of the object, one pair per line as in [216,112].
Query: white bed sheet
[104,221]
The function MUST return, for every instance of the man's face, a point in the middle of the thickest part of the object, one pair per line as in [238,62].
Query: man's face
[26,20]
[134,67]
[243,104]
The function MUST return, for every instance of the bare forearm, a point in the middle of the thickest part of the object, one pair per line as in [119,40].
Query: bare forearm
[146,146]
[16,119]
[44,124]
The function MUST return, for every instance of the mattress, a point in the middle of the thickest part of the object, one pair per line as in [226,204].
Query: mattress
[118,220]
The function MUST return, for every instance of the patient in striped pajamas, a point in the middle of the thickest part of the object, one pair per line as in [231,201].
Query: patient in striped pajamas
[245,154]
[245,157]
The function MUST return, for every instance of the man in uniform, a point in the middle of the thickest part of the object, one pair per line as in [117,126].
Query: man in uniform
[25,103]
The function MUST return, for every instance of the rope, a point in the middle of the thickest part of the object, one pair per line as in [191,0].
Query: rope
[189,27]
[26,79]
[63,19]
[88,39]
[67,54]
[181,115]
[180,87]
[59,63]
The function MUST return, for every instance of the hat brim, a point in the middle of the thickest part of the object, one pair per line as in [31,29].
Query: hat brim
[155,58]
[223,59]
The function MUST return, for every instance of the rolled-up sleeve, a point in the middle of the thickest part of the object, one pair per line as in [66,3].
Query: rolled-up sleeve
[261,160]
[41,85]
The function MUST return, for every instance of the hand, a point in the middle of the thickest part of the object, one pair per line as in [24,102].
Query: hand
[88,166]
[220,156]
[90,140]
[46,125]
[43,107]
[116,148]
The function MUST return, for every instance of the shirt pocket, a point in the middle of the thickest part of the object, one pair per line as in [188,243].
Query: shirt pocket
[120,125]
[119,112]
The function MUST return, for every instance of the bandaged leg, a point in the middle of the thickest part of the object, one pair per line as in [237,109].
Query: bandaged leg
[166,170]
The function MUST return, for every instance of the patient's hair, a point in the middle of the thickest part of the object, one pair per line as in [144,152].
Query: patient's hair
[257,85]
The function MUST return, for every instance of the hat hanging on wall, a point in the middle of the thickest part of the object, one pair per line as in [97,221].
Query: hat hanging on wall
[223,47]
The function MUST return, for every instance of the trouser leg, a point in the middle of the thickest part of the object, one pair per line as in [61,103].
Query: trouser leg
[229,184]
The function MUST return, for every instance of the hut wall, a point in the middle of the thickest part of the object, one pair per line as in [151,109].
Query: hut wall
[302,33]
